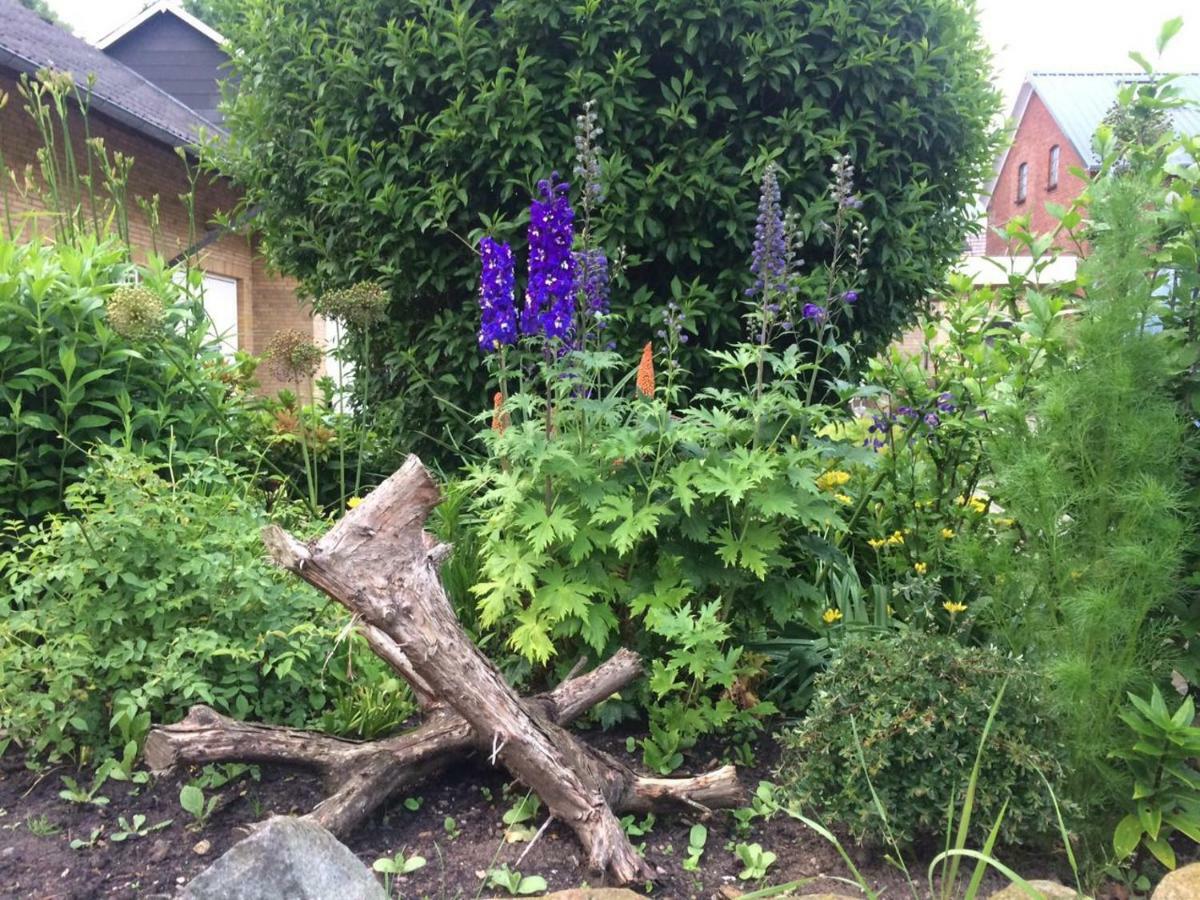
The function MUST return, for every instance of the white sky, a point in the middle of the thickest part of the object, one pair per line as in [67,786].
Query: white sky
[1026,35]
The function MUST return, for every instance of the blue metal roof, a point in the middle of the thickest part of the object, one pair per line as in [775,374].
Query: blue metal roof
[1079,101]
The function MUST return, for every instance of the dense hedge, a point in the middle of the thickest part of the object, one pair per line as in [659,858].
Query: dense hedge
[374,135]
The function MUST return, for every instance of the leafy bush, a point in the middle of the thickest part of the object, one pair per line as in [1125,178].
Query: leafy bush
[377,133]
[915,706]
[87,358]
[152,595]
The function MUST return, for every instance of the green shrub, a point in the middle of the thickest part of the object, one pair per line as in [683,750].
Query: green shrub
[378,134]
[919,704]
[86,358]
[152,595]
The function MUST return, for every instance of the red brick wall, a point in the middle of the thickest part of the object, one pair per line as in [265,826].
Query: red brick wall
[1036,133]
[266,302]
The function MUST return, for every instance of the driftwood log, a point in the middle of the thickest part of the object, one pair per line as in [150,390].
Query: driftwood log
[381,565]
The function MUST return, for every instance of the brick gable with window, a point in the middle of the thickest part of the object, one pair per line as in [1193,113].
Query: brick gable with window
[1038,145]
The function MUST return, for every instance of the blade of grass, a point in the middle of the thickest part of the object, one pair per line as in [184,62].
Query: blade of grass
[968,807]
[1004,870]
[837,845]
[1062,830]
[988,846]
[777,889]
[887,827]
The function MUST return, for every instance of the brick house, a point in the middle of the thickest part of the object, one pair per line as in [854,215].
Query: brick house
[1056,116]
[132,108]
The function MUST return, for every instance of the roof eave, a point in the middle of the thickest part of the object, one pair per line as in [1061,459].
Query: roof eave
[163,6]
[106,107]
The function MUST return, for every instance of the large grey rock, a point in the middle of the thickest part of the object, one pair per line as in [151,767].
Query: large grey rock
[1050,890]
[286,859]
[1182,884]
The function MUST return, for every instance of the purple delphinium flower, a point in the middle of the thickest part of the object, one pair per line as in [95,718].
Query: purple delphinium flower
[591,278]
[946,402]
[550,297]
[850,297]
[932,420]
[768,263]
[497,315]
[907,411]
[814,312]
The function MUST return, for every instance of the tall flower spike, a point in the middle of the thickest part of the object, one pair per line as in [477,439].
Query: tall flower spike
[645,372]
[497,314]
[499,416]
[591,277]
[768,263]
[550,297]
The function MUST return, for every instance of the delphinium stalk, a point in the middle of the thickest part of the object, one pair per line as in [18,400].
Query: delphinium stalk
[769,264]
[497,309]
[591,263]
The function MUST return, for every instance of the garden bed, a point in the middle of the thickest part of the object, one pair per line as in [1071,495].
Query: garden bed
[39,865]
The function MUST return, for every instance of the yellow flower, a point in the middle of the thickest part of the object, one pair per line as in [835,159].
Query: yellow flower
[895,539]
[834,478]
[1005,523]
[843,498]
[920,568]
[353,502]
[954,608]
[831,615]
[978,505]
[876,543]
[947,533]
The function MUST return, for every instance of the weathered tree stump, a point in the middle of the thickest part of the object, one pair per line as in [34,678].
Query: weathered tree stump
[380,564]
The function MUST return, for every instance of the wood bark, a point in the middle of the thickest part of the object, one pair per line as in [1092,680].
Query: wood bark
[379,563]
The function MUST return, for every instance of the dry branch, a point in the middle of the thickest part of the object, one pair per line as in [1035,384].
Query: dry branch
[379,563]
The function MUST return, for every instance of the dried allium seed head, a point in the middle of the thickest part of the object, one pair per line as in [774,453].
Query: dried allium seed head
[361,304]
[293,355]
[135,312]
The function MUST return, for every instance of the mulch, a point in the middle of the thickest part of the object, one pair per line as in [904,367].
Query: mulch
[35,865]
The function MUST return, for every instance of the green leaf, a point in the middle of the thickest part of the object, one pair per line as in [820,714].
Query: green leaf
[1162,851]
[191,798]
[1126,836]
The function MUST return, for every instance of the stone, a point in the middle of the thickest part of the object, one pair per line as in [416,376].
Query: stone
[1182,884]
[202,847]
[286,859]
[1050,890]
[594,894]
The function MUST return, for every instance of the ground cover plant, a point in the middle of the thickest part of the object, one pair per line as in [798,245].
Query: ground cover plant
[691,96]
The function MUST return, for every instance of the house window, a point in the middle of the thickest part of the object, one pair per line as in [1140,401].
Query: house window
[1022,182]
[221,304]
[1052,177]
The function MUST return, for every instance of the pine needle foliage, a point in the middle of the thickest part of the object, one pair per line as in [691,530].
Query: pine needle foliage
[1095,474]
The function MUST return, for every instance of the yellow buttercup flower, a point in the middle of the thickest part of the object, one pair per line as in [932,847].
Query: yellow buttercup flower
[831,615]
[947,533]
[895,538]
[920,568]
[876,543]
[1005,523]
[953,607]
[978,505]
[843,498]
[353,502]
[834,478]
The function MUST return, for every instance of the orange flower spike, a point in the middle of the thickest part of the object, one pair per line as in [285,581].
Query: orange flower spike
[499,417]
[645,372]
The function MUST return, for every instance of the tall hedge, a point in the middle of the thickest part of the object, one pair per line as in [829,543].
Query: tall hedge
[378,137]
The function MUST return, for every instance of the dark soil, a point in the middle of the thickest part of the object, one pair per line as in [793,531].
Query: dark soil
[35,864]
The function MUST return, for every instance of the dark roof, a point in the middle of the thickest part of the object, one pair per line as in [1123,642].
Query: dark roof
[28,43]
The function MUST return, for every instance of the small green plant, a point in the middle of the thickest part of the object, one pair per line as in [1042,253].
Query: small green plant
[451,827]
[515,883]
[634,828]
[217,775]
[755,861]
[193,801]
[412,804]
[762,805]
[523,810]
[697,838]
[400,864]
[136,828]
[41,826]
[75,793]
[1166,787]
[123,768]
[89,841]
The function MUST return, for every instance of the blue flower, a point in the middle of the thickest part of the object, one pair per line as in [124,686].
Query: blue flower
[814,312]
[497,315]
[591,278]
[850,297]
[550,297]
[768,263]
